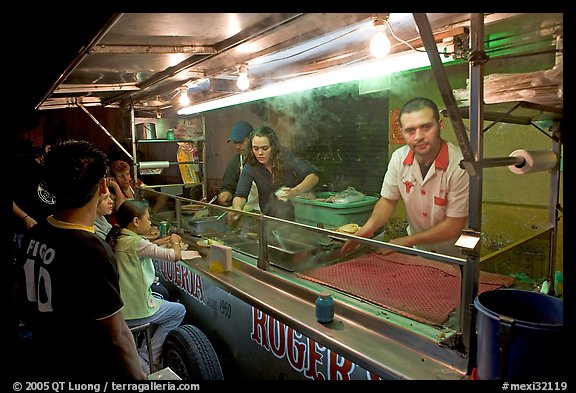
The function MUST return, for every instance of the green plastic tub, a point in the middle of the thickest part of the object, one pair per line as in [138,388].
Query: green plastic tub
[331,215]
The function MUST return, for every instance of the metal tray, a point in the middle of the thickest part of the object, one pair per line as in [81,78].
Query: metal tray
[292,258]
[206,225]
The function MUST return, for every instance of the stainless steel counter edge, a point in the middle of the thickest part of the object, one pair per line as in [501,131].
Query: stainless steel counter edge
[366,340]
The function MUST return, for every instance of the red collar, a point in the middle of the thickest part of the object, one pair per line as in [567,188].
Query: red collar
[441,161]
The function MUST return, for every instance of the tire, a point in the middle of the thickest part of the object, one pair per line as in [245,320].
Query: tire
[189,353]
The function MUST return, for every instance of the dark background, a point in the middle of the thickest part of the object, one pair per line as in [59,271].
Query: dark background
[42,48]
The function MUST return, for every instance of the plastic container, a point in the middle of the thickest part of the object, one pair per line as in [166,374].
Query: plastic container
[324,307]
[331,215]
[520,335]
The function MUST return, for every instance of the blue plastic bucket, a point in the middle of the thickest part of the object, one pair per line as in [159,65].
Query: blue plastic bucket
[519,335]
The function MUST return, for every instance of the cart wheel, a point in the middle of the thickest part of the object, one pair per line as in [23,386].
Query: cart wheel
[189,353]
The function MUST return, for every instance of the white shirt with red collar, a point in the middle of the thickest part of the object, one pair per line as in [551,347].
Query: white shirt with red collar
[443,192]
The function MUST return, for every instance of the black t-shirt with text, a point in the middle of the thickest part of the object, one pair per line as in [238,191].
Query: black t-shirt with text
[68,281]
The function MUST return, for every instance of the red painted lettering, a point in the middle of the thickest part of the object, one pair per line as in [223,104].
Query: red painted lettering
[277,337]
[184,278]
[296,349]
[339,368]
[314,360]
[199,289]
[259,327]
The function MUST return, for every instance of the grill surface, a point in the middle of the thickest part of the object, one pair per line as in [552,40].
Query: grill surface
[423,290]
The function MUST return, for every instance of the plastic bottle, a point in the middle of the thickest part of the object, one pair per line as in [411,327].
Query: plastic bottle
[324,307]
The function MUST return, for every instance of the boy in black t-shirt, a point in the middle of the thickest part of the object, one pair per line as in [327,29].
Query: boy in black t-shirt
[67,283]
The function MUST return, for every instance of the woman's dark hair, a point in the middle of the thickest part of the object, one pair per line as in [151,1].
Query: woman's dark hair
[124,216]
[278,152]
[73,170]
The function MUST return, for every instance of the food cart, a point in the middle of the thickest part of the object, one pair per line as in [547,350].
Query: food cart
[260,314]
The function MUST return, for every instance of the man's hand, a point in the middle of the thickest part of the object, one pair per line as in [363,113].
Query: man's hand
[225,198]
[384,251]
[231,217]
[400,241]
[350,245]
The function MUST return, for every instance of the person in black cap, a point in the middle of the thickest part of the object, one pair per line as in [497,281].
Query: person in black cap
[239,136]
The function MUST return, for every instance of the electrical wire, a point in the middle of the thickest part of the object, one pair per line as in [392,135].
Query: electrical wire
[400,39]
[316,46]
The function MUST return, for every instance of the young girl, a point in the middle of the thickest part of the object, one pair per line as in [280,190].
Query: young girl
[105,205]
[134,254]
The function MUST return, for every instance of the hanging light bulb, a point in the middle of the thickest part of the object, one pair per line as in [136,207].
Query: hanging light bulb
[184,99]
[243,82]
[380,45]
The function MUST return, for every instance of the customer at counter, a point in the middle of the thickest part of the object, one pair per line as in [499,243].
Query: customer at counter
[104,208]
[32,203]
[239,137]
[102,228]
[122,183]
[134,254]
[426,174]
[120,174]
[277,172]
[72,315]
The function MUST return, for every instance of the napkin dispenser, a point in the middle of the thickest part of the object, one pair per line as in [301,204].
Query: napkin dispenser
[220,258]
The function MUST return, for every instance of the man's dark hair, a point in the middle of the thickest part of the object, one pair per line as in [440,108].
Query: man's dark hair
[72,170]
[419,103]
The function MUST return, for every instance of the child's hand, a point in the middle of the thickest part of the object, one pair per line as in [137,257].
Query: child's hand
[175,238]
[162,241]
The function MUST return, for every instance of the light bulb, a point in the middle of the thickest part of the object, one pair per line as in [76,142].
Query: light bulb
[184,99]
[380,45]
[243,82]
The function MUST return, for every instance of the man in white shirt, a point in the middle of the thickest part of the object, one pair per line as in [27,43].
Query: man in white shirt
[426,174]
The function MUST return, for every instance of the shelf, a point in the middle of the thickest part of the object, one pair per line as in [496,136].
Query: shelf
[196,166]
[517,112]
[198,139]
[185,185]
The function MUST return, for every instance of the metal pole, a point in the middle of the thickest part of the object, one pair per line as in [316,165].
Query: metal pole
[134,151]
[554,205]
[503,161]
[427,37]
[204,176]
[471,271]
[104,129]
[263,262]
